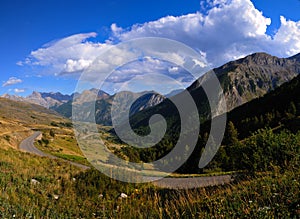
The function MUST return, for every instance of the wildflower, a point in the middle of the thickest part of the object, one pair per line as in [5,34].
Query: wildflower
[265,208]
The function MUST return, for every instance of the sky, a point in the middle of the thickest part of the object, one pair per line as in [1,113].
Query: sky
[47,45]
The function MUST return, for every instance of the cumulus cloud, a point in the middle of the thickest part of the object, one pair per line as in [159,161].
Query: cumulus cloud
[11,81]
[76,65]
[288,36]
[67,55]
[229,29]
[115,29]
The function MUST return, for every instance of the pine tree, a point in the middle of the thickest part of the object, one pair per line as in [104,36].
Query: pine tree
[231,135]
[292,108]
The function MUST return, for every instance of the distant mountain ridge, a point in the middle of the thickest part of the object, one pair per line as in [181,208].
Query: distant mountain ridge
[242,80]
[103,104]
[57,96]
[62,103]
[53,100]
[47,100]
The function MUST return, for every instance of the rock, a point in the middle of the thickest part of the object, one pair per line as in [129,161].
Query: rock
[123,195]
[34,182]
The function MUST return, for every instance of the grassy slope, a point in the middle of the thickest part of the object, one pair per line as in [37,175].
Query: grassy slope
[18,119]
[273,195]
[266,196]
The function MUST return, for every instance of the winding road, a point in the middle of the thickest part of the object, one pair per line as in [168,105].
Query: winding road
[193,182]
[27,145]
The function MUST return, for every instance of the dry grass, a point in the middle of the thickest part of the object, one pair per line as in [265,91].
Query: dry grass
[17,119]
[64,191]
[273,195]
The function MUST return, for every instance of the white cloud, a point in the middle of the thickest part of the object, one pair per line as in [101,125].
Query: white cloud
[16,90]
[115,29]
[173,69]
[25,62]
[148,66]
[67,55]
[76,65]
[12,81]
[149,82]
[288,36]
[230,29]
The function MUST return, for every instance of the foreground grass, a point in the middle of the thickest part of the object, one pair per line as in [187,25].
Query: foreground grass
[63,191]
[20,195]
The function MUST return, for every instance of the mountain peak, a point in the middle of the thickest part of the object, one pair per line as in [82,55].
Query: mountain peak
[252,76]
[261,58]
[36,94]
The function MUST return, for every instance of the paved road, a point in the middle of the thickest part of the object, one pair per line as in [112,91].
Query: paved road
[28,146]
[172,183]
[193,182]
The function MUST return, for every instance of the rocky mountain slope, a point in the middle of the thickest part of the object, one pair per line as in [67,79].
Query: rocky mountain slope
[277,109]
[62,103]
[253,76]
[104,103]
[242,80]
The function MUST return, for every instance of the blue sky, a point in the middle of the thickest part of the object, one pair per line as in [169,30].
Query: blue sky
[46,45]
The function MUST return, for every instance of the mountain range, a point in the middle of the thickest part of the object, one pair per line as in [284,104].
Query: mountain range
[260,91]
[47,100]
[62,103]
[104,103]
[273,104]
[242,80]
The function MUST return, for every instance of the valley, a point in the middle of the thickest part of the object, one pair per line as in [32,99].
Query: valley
[150,109]
[254,174]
